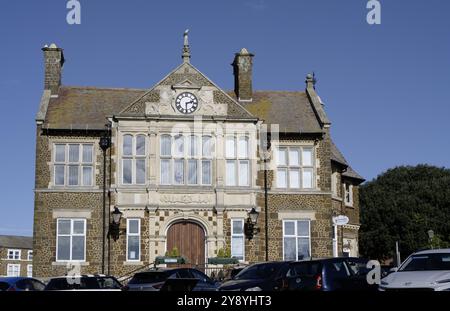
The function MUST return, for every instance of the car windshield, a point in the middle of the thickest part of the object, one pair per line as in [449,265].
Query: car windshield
[83,283]
[427,262]
[256,272]
[148,277]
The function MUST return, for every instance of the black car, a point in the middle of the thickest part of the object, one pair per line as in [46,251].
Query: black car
[266,276]
[20,284]
[84,283]
[331,274]
[155,279]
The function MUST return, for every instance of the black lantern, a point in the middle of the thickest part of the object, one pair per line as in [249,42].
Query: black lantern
[105,142]
[114,226]
[250,225]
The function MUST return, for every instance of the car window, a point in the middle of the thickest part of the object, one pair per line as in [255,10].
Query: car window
[108,283]
[148,277]
[4,286]
[199,275]
[337,270]
[310,269]
[37,285]
[427,262]
[358,267]
[24,285]
[184,274]
[261,271]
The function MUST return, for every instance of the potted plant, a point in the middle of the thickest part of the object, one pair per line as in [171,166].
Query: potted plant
[223,258]
[172,256]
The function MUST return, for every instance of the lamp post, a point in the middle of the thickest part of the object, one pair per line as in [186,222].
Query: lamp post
[430,237]
[105,143]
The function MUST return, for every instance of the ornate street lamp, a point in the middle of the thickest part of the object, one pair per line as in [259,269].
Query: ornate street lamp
[114,226]
[250,225]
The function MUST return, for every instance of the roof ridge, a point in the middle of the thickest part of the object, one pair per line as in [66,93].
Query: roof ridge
[102,88]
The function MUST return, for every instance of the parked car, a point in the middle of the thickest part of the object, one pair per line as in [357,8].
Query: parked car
[332,274]
[155,279]
[267,276]
[422,271]
[84,283]
[20,284]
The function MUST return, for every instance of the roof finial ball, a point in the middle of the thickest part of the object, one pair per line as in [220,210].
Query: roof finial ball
[311,80]
[186,50]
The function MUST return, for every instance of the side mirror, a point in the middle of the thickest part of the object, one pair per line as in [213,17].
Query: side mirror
[395,269]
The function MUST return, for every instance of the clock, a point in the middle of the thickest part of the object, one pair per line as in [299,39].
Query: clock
[186,103]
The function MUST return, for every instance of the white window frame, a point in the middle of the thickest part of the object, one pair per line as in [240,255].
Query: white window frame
[134,234]
[80,164]
[238,160]
[334,184]
[186,158]
[133,158]
[348,194]
[300,168]
[296,236]
[15,269]
[238,235]
[30,271]
[14,252]
[71,235]
[30,254]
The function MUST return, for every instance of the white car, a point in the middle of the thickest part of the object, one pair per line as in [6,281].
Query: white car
[425,270]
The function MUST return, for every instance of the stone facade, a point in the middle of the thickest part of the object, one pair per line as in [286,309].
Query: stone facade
[160,206]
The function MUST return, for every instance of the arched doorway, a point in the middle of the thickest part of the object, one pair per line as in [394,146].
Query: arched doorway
[189,238]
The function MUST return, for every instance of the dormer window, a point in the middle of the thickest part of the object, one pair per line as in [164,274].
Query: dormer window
[348,194]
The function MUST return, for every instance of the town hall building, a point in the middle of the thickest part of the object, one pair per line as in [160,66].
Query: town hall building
[186,167]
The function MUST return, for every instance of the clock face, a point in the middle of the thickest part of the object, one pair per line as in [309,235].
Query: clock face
[186,103]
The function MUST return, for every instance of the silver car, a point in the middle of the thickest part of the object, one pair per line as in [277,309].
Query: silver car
[422,271]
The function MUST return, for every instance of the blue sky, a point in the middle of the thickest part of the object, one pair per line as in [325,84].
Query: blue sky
[386,87]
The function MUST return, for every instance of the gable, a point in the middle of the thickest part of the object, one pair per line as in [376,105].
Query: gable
[160,99]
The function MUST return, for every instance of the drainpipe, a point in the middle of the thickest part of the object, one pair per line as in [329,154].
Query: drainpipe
[266,213]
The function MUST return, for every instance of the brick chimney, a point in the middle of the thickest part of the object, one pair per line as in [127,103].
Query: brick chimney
[242,69]
[53,61]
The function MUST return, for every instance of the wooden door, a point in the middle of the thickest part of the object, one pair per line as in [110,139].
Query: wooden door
[189,238]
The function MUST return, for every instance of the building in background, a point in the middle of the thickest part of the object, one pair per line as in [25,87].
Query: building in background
[16,255]
[185,168]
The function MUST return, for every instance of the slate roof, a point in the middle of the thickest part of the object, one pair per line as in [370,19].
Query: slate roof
[12,241]
[87,107]
[291,110]
[337,156]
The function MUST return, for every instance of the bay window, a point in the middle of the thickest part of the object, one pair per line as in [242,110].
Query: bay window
[186,160]
[295,168]
[134,159]
[237,161]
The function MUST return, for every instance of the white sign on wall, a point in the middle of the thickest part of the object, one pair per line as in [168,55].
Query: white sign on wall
[340,220]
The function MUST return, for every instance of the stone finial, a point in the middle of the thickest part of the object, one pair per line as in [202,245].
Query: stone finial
[311,80]
[186,49]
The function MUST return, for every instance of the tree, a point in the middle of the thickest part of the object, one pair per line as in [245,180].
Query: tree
[402,204]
